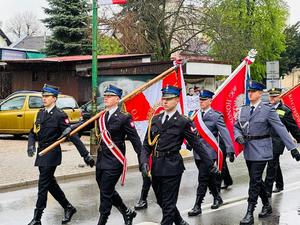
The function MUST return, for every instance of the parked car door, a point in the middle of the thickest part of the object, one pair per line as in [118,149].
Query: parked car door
[34,105]
[12,114]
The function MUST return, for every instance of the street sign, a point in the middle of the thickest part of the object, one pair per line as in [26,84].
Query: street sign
[273,70]
[273,84]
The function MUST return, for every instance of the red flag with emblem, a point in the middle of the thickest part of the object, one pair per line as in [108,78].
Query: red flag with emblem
[232,94]
[142,106]
[291,100]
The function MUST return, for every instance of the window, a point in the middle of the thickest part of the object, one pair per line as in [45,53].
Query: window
[66,103]
[14,103]
[35,102]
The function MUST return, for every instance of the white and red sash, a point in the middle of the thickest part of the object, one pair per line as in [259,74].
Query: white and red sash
[112,146]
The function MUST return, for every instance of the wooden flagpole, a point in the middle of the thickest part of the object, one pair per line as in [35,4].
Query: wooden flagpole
[92,119]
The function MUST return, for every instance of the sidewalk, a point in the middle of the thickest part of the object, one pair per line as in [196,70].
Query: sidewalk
[17,168]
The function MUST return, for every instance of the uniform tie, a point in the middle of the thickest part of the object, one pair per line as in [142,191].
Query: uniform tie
[166,119]
[106,116]
[202,113]
[252,109]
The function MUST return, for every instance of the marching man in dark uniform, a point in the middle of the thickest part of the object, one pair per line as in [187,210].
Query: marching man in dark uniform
[253,130]
[51,123]
[169,129]
[114,126]
[215,123]
[286,117]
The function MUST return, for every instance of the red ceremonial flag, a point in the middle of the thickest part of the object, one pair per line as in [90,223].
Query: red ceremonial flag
[208,136]
[291,99]
[143,105]
[112,2]
[232,94]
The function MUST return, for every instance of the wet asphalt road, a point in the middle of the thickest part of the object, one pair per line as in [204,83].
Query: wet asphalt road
[16,207]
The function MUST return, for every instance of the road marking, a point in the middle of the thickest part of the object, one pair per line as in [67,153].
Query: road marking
[228,203]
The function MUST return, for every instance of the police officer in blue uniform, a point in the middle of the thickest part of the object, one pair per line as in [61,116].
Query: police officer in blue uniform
[49,125]
[163,139]
[215,123]
[108,169]
[253,130]
[273,168]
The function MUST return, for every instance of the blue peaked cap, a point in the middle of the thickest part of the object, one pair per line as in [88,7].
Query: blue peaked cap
[206,94]
[113,90]
[255,85]
[50,90]
[170,91]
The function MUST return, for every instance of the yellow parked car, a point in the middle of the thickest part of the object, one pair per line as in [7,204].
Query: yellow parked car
[18,110]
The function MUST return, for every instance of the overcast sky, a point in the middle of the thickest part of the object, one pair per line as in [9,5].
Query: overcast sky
[11,7]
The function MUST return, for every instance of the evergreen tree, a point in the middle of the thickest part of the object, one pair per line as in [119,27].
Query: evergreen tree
[67,19]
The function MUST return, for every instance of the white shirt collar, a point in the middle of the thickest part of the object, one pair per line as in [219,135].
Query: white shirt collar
[256,104]
[206,110]
[276,105]
[170,114]
[112,111]
[49,108]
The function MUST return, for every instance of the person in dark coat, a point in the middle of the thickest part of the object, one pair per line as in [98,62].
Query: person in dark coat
[51,124]
[163,140]
[112,155]
[214,121]
[253,129]
[274,172]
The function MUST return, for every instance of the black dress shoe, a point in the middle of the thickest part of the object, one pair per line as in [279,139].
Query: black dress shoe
[141,204]
[128,216]
[195,211]
[225,186]
[276,190]
[69,212]
[265,211]
[217,203]
[183,222]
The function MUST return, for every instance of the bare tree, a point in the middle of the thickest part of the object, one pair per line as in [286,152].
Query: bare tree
[162,26]
[25,23]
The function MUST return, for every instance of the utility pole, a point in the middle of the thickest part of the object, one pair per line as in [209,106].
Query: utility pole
[93,139]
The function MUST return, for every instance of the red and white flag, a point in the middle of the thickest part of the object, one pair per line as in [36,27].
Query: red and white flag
[232,94]
[292,100]
[208,136]
[143,105]
[112,2]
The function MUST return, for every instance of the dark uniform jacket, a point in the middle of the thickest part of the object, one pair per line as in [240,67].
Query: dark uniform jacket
[49,127]
[172,134]
[119,126]
[286,117]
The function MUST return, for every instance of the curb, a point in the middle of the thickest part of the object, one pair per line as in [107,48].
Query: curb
[30,183]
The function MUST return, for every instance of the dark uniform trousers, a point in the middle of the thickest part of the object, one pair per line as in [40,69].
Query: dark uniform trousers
[166,191]
[273,174]
[168,166]
[47,182]
[107,180]
[108,168]
[256,185]
[205,179]
[146,184]
[50,127]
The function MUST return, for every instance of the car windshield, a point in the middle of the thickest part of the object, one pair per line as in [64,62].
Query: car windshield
[66,102]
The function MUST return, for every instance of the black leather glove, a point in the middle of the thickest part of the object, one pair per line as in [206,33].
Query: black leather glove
[214,170]
[230,155]
[89,160]
[189,147]
[145,169]
[295,154]
[31,151]
[240,140]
